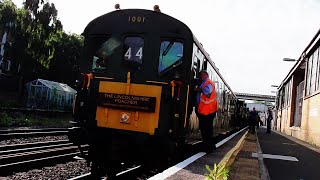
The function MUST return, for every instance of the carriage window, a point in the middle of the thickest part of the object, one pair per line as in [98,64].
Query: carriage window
[170,55]
[102,49]
[133,49]
[205,64]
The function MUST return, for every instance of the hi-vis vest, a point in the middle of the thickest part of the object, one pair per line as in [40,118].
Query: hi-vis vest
[208,105]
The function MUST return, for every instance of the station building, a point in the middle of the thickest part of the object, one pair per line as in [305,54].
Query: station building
[298,96]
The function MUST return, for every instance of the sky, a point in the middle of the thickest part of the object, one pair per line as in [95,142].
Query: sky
[246,39]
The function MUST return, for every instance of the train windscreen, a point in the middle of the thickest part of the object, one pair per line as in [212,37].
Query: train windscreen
[171,54]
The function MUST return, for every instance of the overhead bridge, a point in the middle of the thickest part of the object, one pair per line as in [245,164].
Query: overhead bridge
[256,97]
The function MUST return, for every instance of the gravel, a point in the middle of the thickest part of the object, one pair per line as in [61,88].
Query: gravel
[32,140]
[59,171]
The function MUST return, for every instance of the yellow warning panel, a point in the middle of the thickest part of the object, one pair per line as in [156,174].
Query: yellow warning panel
[120,109]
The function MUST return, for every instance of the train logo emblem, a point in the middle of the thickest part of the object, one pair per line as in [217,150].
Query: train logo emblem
[124,118]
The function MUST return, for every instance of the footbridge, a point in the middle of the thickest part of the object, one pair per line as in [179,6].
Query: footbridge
[256,97]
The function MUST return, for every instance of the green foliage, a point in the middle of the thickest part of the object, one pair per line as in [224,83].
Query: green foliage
[8,12]
[22,120]
[5,120]
[39,43]
[65,61]
[41,25]
[10,103]
[219,172]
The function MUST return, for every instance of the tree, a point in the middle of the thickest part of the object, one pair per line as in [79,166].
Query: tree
[39,48]
[8,13]
[40,45]
[65,61]
[43,27]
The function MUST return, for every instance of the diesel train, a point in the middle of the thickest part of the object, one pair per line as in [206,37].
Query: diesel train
[135,102]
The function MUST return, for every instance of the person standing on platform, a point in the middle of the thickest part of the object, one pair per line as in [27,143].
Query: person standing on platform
[269,119]
[206,109]
[253,120]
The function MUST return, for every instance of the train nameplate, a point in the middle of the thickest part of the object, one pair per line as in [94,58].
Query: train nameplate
[127,102]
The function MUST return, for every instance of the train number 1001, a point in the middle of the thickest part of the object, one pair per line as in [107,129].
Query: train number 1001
[137,19]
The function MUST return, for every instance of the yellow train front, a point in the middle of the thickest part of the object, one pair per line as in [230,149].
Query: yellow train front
[135,96]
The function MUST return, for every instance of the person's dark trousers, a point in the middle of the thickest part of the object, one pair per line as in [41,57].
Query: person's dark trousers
[206,128]
[252,126]
[268,126]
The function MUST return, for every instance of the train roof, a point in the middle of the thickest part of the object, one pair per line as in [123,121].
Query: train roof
[111,17]
[95,24]
[211,62]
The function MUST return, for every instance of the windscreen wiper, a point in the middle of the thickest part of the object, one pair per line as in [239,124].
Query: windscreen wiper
[174,65]
[165,52]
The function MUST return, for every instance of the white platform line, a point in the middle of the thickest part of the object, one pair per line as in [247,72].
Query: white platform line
[172,170]
[82,176]
[228,138]
[120,173]
[196,142]
[280,157]
[177,167]
[291,144]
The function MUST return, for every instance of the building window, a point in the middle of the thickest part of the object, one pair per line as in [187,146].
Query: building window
[289,90]
[316,56]
[312,84]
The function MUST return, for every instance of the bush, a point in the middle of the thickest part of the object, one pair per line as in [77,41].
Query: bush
[5,119]
[24,120]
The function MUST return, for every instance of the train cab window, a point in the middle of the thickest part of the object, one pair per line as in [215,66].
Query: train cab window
[171,54]
[133,50]
[102,49]
[205,65]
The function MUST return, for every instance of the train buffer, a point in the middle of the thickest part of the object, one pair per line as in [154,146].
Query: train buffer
[253,156]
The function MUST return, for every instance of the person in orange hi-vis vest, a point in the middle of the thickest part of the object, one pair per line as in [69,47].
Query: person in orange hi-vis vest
[206,108]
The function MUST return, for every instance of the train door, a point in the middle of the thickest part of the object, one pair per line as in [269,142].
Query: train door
[298,105]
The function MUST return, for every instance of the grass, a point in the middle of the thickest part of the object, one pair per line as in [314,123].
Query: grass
[22,120]
[9,99]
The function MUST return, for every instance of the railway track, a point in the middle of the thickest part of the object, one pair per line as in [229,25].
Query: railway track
[22,157]
[125,174]
[139,172]
[24,133]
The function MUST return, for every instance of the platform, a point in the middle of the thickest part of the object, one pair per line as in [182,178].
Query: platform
[253,156]
[286,157]
[194,167]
